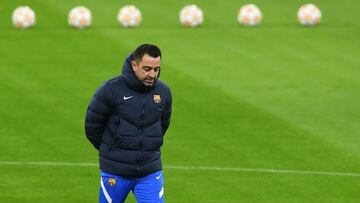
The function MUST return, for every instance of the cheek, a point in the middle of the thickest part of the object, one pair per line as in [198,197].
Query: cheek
[143,74]
[139,75]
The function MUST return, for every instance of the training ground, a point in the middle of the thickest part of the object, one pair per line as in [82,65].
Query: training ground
[263,114]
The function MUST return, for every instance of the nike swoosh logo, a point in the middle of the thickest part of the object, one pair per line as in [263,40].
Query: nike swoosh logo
[126,98]
[158,177]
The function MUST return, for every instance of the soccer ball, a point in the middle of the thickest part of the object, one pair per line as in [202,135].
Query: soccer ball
[191,16]
[129,16]
[309,15]
[23,17]
[249,15]
[79,17]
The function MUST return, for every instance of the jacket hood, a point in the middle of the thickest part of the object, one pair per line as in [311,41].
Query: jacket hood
[131,80]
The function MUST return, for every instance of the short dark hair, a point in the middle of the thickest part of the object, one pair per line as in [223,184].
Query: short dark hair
[150,49]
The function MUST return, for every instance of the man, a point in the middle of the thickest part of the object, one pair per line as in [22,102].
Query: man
[126,121]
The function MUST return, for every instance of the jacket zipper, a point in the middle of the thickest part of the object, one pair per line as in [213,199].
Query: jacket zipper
[140,134]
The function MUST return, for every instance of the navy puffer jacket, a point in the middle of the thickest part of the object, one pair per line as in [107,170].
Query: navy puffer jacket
[126,122]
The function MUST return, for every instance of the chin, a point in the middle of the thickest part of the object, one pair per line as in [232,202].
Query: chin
[148,84]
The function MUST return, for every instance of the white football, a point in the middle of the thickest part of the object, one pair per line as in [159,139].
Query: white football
[249,15]
[191,16]
[129,16]
[23,17]
[80,17]
[309,15]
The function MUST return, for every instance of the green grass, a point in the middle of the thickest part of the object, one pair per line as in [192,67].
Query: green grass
[277,96]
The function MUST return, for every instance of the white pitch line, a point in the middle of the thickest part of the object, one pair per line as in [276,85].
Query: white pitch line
[201,168]
[263,170]
[44,163]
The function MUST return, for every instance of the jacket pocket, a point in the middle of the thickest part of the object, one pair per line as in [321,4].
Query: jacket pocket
[113,124]
[113,143]
[126,129]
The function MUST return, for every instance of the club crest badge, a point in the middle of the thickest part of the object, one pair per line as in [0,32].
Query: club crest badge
[112,181]
[157,98]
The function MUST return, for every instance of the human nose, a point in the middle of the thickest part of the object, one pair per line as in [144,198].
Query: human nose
[152,73]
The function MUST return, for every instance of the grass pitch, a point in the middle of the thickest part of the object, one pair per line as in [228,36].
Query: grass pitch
[277,96]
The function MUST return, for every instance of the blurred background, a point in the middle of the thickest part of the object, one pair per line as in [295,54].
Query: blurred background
[260,114]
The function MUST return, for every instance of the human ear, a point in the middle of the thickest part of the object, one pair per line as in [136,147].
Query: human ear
[134,65]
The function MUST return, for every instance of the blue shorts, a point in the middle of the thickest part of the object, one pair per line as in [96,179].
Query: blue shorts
[115,189]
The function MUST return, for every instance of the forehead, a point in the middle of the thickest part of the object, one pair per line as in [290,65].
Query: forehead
[150,61]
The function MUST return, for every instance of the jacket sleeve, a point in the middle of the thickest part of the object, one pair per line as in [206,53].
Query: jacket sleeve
[98,112]
[165,121]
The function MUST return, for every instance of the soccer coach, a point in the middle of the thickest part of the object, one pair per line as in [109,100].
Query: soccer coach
[126,121]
